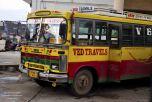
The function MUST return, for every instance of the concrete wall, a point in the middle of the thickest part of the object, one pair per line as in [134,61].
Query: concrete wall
[119,5]
[64,5]
[144,6]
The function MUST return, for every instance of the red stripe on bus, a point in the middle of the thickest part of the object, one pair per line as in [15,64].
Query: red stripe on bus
[112,70]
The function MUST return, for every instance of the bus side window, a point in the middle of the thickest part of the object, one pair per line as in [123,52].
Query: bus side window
[74,33]
[148,35]
[127,35]
[85,32]
[114,31]
[100,37]
[138,35]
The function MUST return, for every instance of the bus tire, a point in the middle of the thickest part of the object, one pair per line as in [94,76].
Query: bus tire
[42,83]
[82,84]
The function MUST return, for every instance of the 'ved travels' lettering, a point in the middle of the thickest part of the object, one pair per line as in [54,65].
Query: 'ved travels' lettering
[79,51]
[149,31]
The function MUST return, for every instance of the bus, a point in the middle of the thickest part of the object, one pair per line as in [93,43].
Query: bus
[83,49]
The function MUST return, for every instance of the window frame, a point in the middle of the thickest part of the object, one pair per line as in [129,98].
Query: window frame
[124,35]
[104,42]
[146,36]
[119,25]
[121,33]
[88,41]
[137,36]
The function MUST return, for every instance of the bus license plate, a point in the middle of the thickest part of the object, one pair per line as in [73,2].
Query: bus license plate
[33,74]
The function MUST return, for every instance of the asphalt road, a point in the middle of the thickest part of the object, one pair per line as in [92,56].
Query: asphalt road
[18,88]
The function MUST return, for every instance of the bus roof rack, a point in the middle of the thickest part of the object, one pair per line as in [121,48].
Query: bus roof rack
[124,14]
[109,14]
[140,16]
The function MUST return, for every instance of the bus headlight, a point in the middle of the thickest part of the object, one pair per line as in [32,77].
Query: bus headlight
[54,67]
[60,66]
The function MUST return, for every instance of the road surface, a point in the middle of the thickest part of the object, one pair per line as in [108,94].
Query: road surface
[15,87]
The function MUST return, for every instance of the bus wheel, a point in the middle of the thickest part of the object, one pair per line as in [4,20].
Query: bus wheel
[42,83]
[82,83]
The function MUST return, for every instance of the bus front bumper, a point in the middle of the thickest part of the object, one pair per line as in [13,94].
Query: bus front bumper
[57,78]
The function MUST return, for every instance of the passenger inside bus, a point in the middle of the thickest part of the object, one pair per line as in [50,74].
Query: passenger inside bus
[45,34]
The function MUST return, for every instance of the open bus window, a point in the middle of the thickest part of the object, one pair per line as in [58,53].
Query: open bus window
[127,34]
[85,35]
[148,35]
[138,35]
[75,31]
[114,34]
[100,36]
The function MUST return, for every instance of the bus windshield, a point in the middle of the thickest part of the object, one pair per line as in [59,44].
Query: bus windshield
[47,30]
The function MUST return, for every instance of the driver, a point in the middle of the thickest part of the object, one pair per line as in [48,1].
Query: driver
[46,34]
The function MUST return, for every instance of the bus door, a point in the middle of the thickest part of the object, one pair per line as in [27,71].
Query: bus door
[115,51]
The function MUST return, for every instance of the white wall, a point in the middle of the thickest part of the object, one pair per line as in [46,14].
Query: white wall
[66,5]
[119,5]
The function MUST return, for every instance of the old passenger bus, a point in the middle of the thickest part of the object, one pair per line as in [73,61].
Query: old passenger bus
[82,49]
